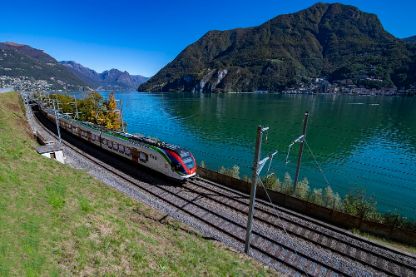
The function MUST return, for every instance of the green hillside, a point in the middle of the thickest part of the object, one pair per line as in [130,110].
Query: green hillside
[21,60]
[58,221]
[332,41]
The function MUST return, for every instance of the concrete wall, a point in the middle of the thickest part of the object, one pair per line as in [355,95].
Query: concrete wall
[331,216]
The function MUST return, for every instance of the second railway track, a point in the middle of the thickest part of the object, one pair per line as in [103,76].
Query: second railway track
[284,240]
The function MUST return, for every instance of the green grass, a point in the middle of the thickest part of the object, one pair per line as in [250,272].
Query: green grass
[58,221]
[399,246]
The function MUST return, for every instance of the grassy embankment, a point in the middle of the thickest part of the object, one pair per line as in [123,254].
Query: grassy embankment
[55,220]
[389,243]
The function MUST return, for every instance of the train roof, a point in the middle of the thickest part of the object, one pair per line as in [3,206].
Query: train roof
[134,138]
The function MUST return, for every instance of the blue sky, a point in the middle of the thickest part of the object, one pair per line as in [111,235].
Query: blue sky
[142,36]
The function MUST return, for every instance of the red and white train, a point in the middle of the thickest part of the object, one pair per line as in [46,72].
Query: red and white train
[170,160]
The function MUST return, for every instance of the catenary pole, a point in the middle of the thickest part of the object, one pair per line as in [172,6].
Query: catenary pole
[121,116]
[305,123]
[76,108]
[57,123]
[257,153]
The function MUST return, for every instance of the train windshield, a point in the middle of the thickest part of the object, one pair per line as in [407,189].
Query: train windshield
[187,159]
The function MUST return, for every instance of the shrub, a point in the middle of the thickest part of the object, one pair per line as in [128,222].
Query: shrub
[302,189]
[357,204]
[337,202]
[287,185]
[272,182]
[316,197]
[233,172]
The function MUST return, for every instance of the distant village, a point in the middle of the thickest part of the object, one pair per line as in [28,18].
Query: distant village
[323,86]
[23,83]
[315,86]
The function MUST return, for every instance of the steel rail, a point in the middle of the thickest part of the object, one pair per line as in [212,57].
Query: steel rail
[308,236]
[220,228]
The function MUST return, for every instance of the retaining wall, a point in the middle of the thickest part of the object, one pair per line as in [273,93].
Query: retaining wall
[327,215]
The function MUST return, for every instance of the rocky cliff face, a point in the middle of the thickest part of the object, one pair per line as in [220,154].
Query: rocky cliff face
[333,41]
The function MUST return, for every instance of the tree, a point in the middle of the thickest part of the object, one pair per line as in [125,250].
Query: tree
[112,114]
[91,108]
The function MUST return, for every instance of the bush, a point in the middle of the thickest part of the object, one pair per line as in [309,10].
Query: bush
[316,197]
[271,182]
[302,189]
[233,172]
[357,204]
[287,185]
[332,200]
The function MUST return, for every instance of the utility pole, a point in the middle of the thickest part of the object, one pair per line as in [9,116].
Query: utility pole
[76,108]
[257,154]
[57,123]
[76,116]
[305,123]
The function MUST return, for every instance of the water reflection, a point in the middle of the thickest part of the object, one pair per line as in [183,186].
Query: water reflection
[367,142]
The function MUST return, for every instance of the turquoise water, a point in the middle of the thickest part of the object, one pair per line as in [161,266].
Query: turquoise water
[360,142]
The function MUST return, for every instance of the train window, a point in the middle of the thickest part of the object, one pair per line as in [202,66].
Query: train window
[127,151]
[143,157]
[104,142]
[93,137]
[121,149]
[115,146]
[110,144]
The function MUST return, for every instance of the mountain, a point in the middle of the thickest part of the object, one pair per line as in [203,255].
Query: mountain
[18,60]
[334,42]
[410,39]
[109,79]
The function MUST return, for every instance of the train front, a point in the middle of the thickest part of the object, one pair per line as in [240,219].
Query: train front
[183,163]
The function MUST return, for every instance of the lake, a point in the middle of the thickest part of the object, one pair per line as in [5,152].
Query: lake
[360,142]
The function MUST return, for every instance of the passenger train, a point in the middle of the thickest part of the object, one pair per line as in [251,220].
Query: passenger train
[170,160]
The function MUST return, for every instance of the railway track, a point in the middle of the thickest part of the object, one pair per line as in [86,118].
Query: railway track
[386,260]
[291,243]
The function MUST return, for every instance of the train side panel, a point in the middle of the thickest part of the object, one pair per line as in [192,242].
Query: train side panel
[141,153]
